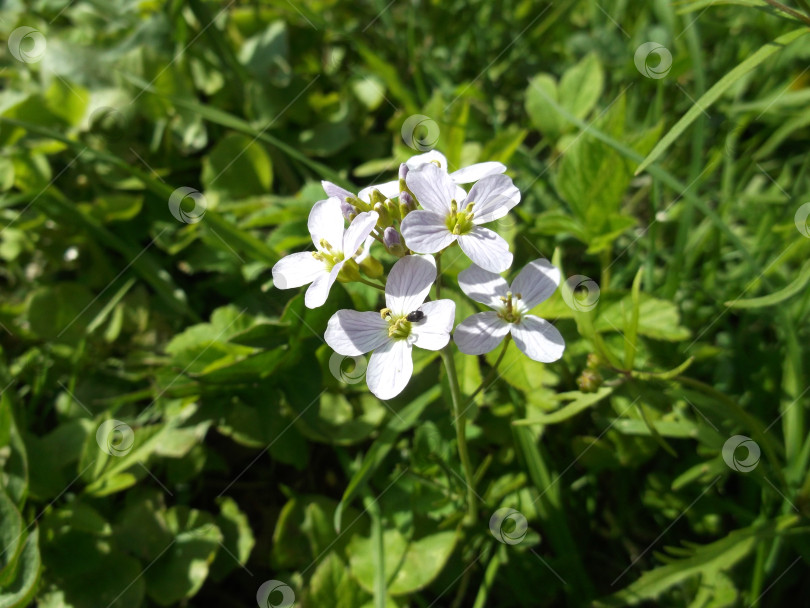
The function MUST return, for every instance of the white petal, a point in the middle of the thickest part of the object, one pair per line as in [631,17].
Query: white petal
[483,286]
[390,369]
[326,222]
[473,173]
[388,190]
[536,282]
[480,333]
[297,269]
[538,339]
[426,232]
[358,231]
[493,196]
[432,187]
[366,249]
[487,249]
[333,190]
[351,333]
[409,283]
[319,290]
[433,332]
[414,162]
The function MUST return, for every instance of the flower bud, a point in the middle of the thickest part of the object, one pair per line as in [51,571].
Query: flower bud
[349,273]
[393,242]
[385,217]
[406,204]
[376,197]
[589,381]
[349,211]
[372,268]
[403,171]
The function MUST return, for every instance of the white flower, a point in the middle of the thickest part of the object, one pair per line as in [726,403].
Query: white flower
[465,175]
[334,245]
[389,333]
[482,332]
[451,214]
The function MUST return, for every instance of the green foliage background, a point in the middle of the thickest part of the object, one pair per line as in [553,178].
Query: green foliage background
[251,461]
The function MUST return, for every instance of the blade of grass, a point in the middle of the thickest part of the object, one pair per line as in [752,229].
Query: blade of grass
[716,92]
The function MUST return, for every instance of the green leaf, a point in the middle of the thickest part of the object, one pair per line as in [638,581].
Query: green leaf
[332,585]
[11,533]
[14,465]
[704,561]
[238,539]
[542,88]
[581,86]
[398,424]
[20,591]
[236,168]
[581,402]
[796,286]
[181,570]
[409,565]
[713,94]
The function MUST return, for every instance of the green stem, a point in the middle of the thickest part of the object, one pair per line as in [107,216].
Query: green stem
[371,284]
[489,578]
[461,431]
[491,375]
[786,9]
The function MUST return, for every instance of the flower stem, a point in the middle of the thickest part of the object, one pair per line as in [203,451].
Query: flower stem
[491,375]
[461,431]
[371,284]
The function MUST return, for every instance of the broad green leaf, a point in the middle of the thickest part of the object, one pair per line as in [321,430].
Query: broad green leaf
[236,168]
[237,535]
[14,466]
[542,88]
[398,424]
[713,94]
[581,86]
[11,535]
[181,570]
[19,592]
[409,565]
[333,585]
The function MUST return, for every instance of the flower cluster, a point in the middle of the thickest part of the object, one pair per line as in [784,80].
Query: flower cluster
[423,212]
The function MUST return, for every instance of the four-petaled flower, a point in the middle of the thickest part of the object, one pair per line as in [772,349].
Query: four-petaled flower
[335,246]
[482,332]
[465,175]
[390,333]
[451,214]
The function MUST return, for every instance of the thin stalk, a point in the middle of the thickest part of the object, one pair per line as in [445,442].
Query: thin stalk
[461,431]
[491,375]
[489,578]
[371,284]
[786,9]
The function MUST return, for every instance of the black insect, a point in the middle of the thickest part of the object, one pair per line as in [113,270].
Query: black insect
[416,315]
